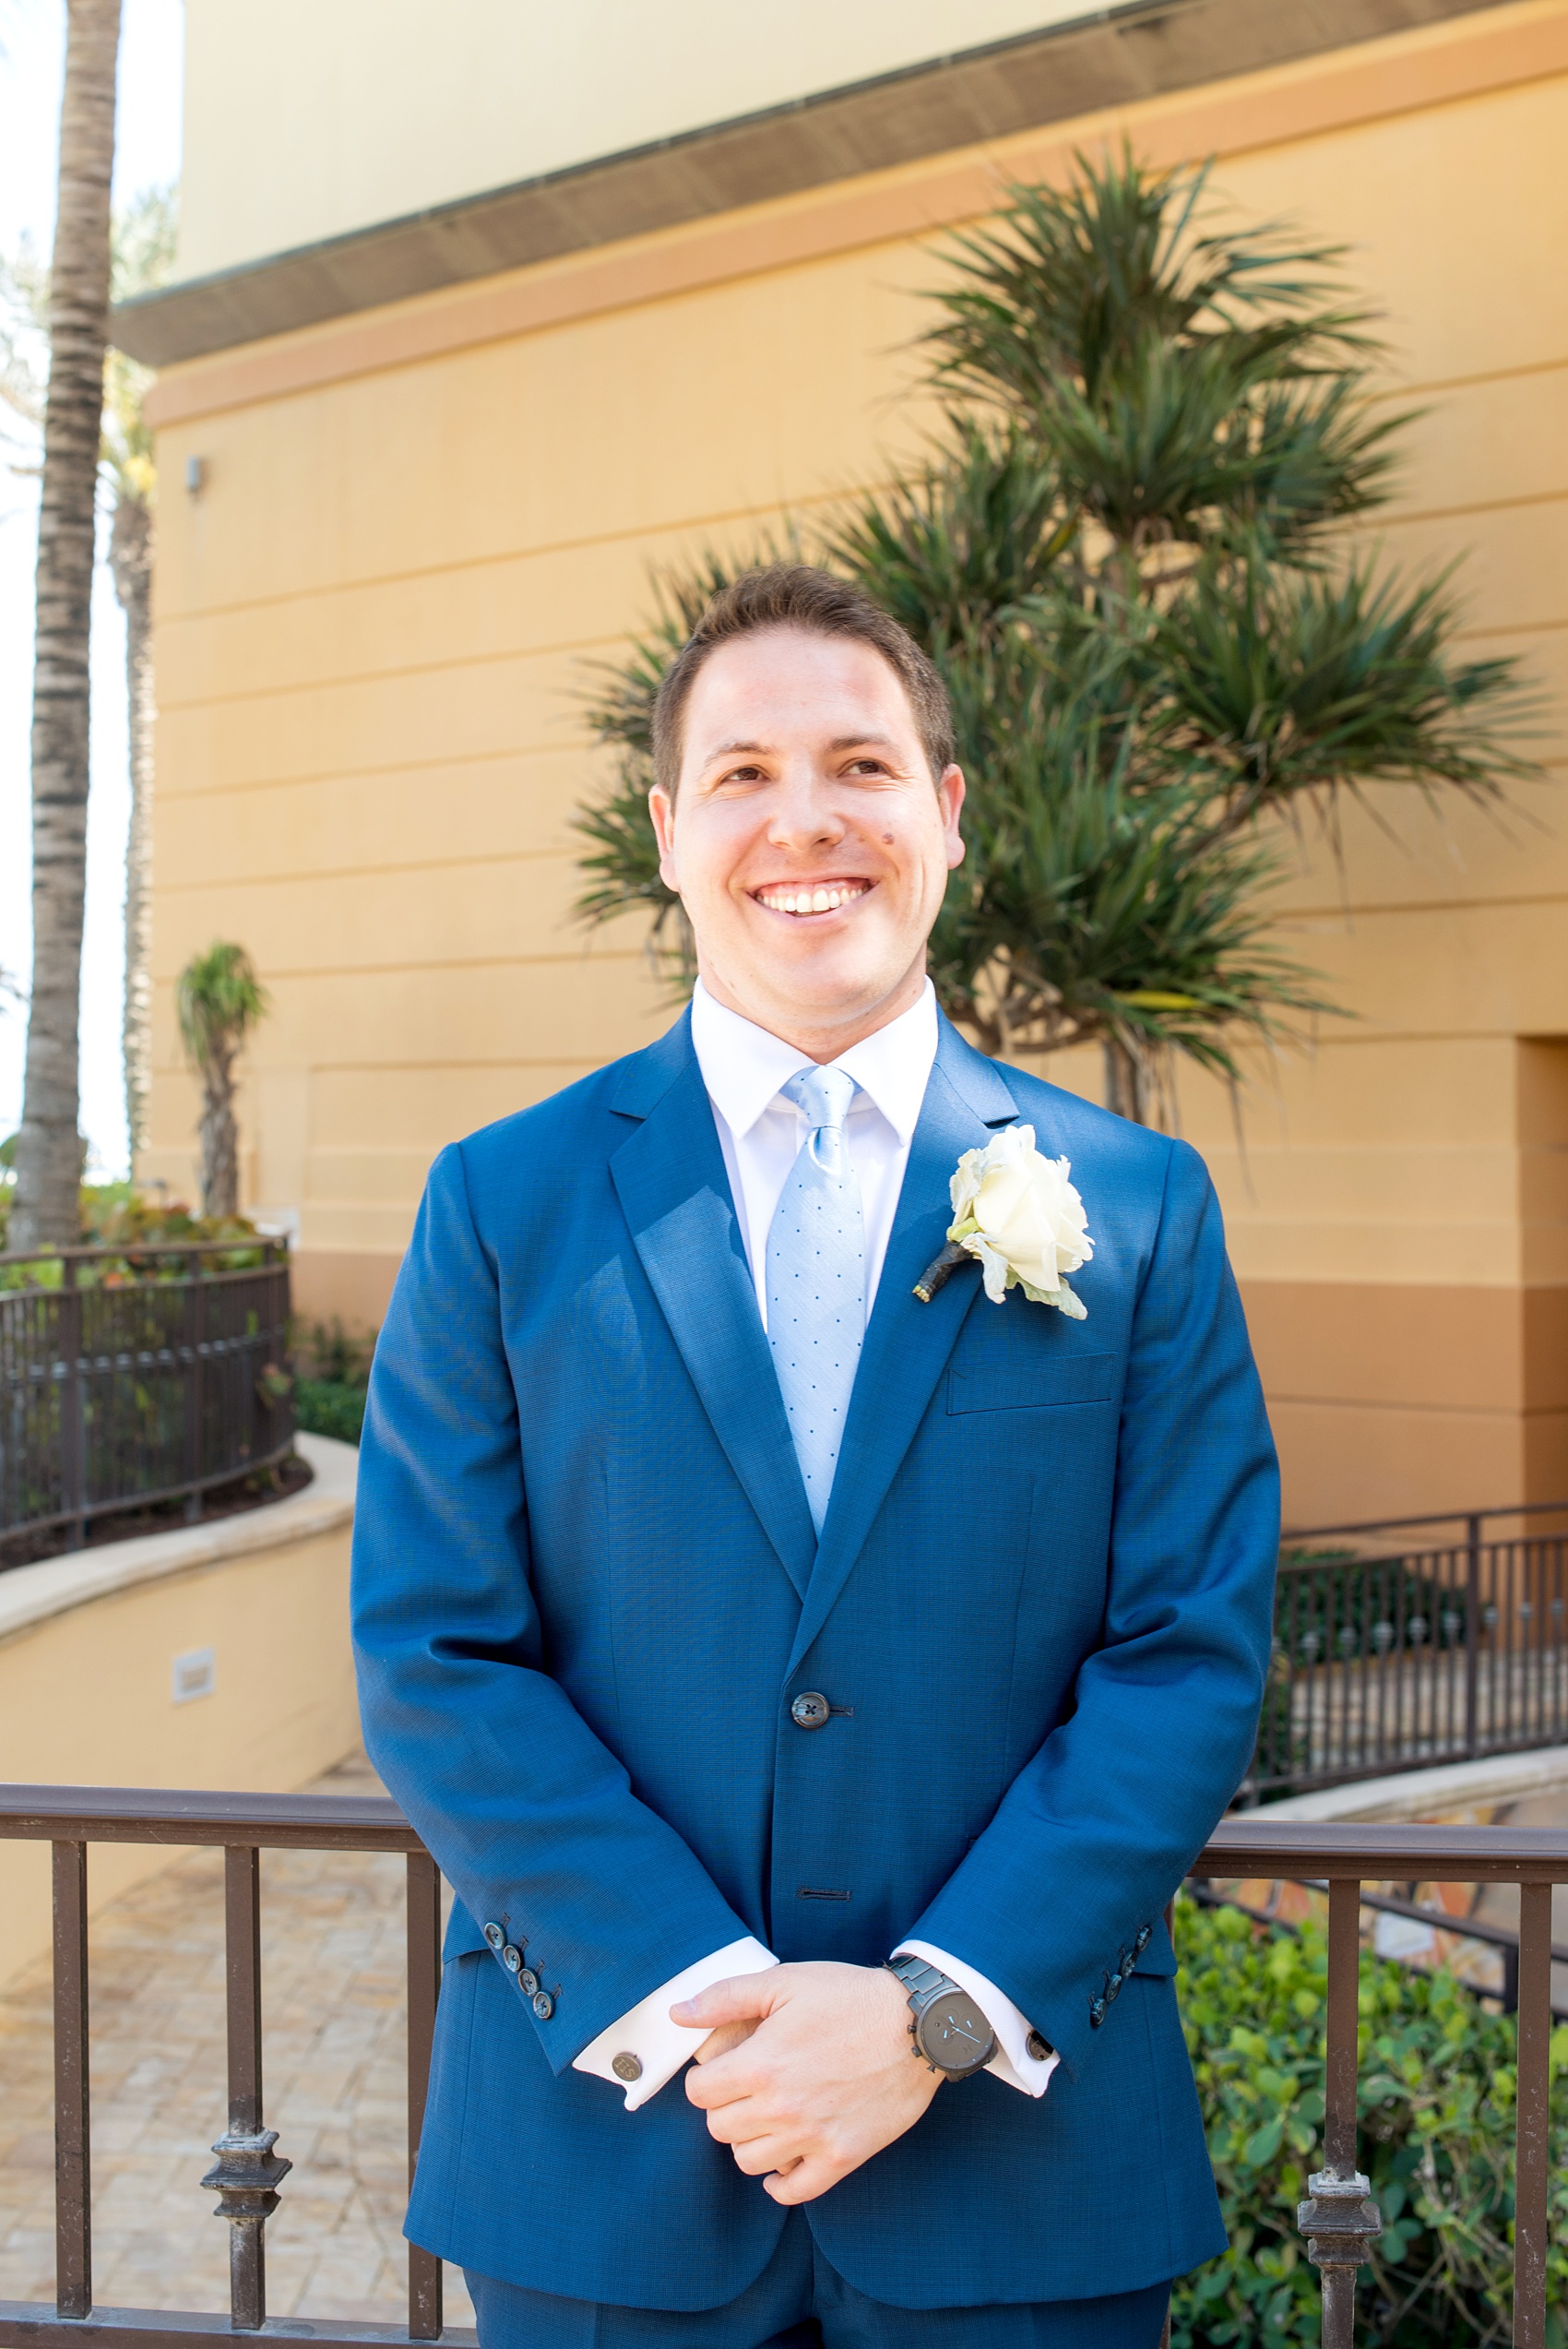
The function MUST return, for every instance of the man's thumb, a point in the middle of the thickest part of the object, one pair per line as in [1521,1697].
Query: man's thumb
[745,1998]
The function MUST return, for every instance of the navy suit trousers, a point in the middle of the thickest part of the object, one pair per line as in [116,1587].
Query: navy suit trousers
[800,2302]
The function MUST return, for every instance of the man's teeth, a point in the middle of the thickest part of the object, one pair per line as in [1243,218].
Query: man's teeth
[815,900]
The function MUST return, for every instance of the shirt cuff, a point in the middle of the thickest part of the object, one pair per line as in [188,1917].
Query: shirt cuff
[654,2044]
[1012,2061]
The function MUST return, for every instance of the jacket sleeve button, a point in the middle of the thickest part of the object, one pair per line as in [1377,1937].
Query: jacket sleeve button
[1097,2013]
[511,1959]
[528,1981]
[494,1935]
[1145,1936]
[544,2005]
[626,2066]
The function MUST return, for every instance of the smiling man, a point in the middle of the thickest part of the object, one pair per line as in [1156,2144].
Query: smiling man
[801,1662]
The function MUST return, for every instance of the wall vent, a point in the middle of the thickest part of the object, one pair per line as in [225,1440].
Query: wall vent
[195,1674]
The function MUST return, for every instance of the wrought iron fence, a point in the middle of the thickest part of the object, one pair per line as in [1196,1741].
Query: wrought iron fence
[1339,2219]
[1397,1657]
[130,1377]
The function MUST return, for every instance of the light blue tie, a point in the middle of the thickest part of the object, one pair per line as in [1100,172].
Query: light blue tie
[816,1281]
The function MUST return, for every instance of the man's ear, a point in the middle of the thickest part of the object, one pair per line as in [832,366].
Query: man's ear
[661,810]
[950,798]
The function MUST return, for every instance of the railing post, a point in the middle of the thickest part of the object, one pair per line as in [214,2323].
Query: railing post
[194,1333]
[1340,2222]
[1472,1632]
[1532,2150]
[73,1424]
[425,1988]
[73,2166]
[248,2171]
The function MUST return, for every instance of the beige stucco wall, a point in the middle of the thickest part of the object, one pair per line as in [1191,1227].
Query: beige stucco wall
[87,1650]
[418,526]
[303,122]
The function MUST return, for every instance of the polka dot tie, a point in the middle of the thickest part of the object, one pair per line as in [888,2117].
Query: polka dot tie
[816,1281]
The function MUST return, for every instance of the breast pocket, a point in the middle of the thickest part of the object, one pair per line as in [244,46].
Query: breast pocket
[1025,1384]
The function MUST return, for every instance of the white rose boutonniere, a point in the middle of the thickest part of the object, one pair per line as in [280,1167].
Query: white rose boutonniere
[1016,1211]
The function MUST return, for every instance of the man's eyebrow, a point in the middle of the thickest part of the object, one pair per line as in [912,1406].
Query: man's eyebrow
[733,749]
[762,749]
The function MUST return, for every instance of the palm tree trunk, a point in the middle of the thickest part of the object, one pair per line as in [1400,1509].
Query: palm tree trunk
[130,555]
[1129,1083]
[48,1148]
[220,1139]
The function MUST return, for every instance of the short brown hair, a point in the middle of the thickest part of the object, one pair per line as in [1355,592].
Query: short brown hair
[794,595]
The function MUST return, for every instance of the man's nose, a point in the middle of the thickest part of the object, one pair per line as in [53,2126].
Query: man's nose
[803,813]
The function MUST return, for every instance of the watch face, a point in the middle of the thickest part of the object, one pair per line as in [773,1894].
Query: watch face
[953,2034]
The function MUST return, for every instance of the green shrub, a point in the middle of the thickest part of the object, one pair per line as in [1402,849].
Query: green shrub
[330,1407]
[334,1373]
[1437,2089]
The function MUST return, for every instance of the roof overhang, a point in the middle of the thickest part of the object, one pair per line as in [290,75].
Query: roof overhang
[1115,57]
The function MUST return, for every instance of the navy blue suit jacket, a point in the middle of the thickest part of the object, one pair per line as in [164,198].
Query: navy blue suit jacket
[587,1587]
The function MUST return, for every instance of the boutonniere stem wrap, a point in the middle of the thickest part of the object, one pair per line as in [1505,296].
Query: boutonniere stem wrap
[1016,1211]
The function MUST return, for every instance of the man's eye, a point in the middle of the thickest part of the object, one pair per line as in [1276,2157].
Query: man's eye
[868,767]
[741,775]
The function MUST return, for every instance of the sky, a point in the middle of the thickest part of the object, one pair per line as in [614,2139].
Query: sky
[32,54]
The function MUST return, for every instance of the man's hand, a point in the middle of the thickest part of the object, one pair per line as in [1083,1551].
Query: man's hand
[807,2072]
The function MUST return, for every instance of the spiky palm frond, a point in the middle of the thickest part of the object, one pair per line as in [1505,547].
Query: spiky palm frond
[1092,903]
[621,864]
[217,1001]
[1280,685]
[1174,376]
[960,546]
[1072,282]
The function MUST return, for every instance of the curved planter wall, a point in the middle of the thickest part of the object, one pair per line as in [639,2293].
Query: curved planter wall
[214,1656]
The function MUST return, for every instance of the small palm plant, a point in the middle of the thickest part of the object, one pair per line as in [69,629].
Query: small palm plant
[220,999]
[1127,553]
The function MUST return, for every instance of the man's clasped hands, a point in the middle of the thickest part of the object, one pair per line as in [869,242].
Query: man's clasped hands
[806,2073]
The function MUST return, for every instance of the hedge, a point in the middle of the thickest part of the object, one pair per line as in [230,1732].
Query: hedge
[1437,2092]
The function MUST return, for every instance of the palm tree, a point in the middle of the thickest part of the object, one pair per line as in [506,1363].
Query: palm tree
[143,246]
[49,1147]
[142,253]
[1126,554]
[219,1001]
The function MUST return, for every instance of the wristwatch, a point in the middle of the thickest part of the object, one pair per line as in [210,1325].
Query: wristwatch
[948,2028]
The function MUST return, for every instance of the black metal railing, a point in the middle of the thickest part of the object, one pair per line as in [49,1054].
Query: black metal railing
[1397,1656]
[135,1377]
[1339,2218]
[247,2173]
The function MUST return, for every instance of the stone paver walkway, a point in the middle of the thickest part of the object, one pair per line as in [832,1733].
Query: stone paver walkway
[333,1957]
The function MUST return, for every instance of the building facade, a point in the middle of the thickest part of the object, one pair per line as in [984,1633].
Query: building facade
[483,312]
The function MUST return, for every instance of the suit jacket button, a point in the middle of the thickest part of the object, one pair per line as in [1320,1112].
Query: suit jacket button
[626,2066]
[544,2005]
[809,1709]
[1145,1936]
[1112,1988]
[529,1981]
[494,1935]
[1038,2047]
[1097,2013]
[511,1959]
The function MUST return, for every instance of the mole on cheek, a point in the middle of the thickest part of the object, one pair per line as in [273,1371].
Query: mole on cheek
[886,840]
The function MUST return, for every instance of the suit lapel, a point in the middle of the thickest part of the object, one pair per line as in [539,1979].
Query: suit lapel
[907,1343]
[672,1183]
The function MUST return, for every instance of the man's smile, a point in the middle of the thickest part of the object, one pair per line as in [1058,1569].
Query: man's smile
[800,898]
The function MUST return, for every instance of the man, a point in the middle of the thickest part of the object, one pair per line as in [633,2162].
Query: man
[790,1657]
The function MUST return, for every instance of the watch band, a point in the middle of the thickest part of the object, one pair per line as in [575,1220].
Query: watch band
[925,1983]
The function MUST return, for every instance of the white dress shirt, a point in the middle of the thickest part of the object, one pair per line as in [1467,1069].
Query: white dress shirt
[760,1134]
